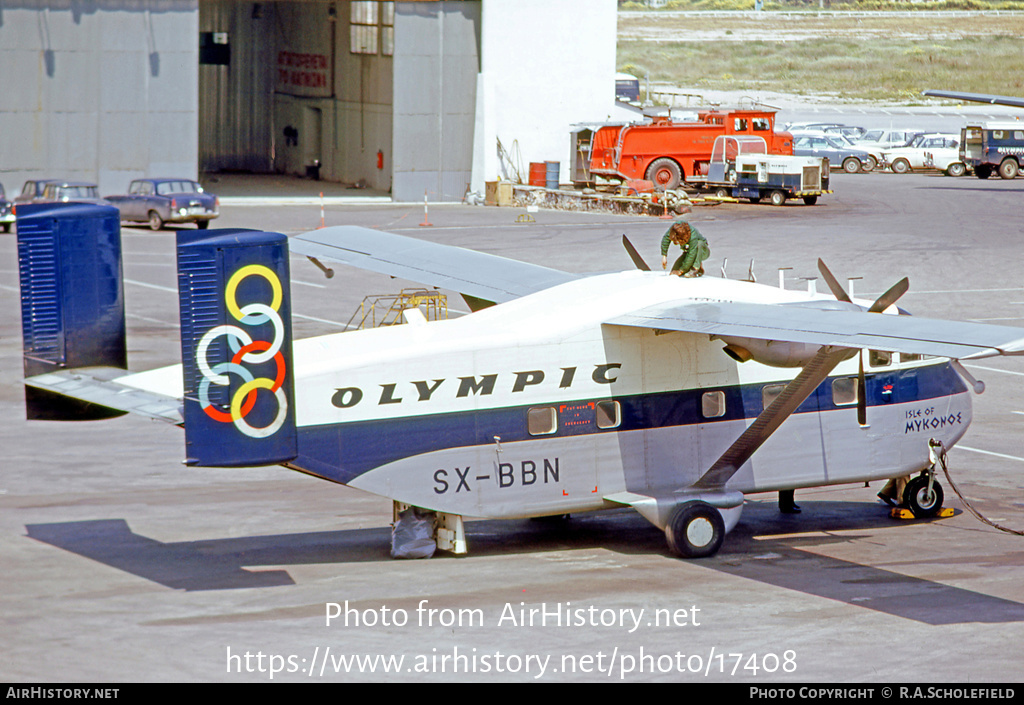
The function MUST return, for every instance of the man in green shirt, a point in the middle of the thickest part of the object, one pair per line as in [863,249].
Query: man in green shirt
[695,249]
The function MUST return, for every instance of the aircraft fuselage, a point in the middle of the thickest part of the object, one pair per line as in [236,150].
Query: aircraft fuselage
[535,407]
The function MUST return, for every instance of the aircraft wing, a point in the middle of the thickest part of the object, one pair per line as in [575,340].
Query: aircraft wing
[101,386]
[838,328]
[477,274]
[978,98]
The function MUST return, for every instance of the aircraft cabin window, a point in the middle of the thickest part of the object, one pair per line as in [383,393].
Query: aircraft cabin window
[609,414]
[844,391]
[712,404]
[879,358]
[542,421]
[769,393]
[909,357]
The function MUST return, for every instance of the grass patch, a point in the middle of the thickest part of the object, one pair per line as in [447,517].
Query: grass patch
[837,5]
[878,59]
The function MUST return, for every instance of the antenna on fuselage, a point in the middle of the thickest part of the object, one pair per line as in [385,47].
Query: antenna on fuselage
[634,255]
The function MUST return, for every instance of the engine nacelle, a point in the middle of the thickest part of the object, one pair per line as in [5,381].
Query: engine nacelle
[774,353]
[785,353]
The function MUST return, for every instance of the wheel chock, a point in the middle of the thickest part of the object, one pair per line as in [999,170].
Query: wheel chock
[901,513]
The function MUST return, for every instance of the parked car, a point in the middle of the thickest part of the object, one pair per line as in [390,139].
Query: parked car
[944,150]
[159,201]
[830,128]
[887,139]
[839,155]
[32,190]
[7,217]
[874,155]
[851,132]
[66,191]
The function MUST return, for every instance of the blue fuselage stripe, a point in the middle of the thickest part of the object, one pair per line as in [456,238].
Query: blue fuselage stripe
[342,452]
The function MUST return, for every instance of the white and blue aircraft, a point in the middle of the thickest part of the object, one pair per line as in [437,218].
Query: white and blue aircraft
[560,393]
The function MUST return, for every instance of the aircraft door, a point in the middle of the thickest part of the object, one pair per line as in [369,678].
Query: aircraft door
[671,447]
[853,449]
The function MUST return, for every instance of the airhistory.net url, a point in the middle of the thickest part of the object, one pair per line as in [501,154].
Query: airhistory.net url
[615,663]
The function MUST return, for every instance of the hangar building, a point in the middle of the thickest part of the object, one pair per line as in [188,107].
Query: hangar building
[408,96]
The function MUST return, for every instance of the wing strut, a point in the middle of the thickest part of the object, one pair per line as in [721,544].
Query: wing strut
[813,374]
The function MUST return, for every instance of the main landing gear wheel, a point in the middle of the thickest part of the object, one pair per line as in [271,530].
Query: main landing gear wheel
[921,503]
[696,530]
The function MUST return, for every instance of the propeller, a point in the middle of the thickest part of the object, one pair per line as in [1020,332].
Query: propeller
[889,297]
[881,303]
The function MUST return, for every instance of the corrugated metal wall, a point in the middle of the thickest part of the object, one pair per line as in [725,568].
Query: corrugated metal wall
[236,101]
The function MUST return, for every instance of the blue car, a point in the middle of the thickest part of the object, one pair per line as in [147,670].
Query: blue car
[839,155]
[160,201]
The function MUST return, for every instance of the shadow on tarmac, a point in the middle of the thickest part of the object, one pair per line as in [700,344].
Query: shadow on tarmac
[749,552]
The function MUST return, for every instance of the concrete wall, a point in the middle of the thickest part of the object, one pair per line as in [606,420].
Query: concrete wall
[336,105]
[545,66]
[364,90]
[101,91]
[303,63]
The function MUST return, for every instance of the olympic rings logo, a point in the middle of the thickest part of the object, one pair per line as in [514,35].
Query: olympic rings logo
[246,350]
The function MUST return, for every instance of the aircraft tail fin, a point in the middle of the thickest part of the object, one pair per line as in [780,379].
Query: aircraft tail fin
[236,348]
[72,299]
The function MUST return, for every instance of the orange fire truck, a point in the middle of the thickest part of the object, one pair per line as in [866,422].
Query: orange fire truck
[669,153]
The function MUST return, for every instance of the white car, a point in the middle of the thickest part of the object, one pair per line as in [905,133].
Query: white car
[888,138]
[935,151]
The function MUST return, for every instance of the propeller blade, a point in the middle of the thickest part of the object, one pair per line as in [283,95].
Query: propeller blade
[837,290]
[889,298]
[634,255]
[862,401]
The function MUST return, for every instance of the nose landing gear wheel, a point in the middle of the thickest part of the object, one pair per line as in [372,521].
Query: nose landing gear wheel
[921,503]
[696,530]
